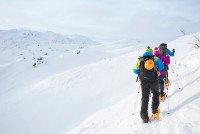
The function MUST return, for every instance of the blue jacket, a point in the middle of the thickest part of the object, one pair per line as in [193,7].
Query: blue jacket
[170,53]
[157,60]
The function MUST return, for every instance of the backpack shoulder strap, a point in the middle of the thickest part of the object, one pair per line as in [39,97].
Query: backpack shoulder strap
[141,61]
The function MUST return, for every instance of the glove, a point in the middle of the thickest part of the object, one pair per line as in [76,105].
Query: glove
[173,50]
[158,73]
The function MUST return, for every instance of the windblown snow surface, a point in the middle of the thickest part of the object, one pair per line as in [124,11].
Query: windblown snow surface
[94,91]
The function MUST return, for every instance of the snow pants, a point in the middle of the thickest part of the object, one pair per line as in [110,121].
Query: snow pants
[146,88]
[162,81]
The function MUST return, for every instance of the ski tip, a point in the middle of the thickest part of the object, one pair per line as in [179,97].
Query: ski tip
[168,113]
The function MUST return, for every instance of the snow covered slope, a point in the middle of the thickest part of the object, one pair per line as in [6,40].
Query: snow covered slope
[96,87]
[183,102]
[62,89]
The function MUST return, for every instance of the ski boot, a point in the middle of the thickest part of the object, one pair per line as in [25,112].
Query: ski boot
[144,116]
[163,96]
[145,120]
[155,116]
[167,83]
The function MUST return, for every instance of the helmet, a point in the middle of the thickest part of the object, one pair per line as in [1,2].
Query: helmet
[149,64]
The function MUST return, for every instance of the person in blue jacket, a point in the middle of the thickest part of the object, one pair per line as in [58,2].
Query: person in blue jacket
[164,51]
[149,84]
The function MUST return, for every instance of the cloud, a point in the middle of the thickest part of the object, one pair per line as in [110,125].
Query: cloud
[104,20]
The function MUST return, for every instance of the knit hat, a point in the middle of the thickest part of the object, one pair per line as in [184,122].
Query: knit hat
[149,49]
[156,49]
[156,52]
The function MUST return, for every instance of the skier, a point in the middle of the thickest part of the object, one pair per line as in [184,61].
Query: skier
[162,77]
[147,68]
[164,54]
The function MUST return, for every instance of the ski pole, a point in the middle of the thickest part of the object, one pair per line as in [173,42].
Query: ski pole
[137,79]
[136,101]
[174,59]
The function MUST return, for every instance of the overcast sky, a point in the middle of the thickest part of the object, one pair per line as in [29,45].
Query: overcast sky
[104,20]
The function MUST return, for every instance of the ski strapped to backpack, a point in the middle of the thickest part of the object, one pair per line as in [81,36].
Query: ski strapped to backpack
[147,69]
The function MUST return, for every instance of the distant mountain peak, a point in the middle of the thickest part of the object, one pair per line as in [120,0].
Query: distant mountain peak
[29,37]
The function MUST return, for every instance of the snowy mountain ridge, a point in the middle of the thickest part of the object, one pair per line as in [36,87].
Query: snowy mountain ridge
[29,37]
[34,46]
[37,46]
